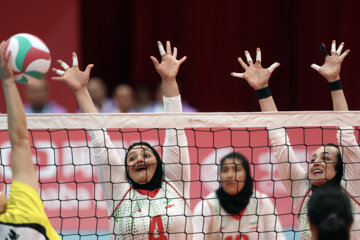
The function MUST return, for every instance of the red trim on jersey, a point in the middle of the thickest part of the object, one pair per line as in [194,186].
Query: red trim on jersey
[148,193]
[177,192]
[151,194]
[350,196]
[307,193]
[238,216]
[120,202]
[347,193]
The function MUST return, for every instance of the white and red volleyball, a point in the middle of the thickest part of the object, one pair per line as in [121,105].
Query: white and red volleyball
[30,57]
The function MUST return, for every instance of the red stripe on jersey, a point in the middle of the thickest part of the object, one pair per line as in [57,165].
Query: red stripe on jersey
[238,216]
[120,202]
[177,192]
[148,193]
[357,202]
[351,196]
[303,200]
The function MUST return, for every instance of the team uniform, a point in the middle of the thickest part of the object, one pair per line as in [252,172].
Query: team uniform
[256,221]
[141,214]
[25,217]
[299,186]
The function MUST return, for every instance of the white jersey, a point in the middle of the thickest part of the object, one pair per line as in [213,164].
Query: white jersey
[295,178]
[134,215]
[257,221]
[160,213]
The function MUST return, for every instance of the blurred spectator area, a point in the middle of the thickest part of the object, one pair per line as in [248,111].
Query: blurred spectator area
[120,36]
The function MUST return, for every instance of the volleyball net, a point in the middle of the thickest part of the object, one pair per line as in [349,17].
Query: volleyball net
[65,163]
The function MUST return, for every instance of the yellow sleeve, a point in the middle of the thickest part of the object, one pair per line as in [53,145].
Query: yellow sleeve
[26,207]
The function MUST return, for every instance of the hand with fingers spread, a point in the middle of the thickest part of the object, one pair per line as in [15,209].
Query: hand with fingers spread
[332,65]
[5,69]
[73,76]
[257,76]
[169,66]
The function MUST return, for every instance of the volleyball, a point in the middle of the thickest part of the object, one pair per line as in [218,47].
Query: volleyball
[30,57]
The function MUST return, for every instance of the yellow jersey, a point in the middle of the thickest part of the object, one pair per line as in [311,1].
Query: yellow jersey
[25,217]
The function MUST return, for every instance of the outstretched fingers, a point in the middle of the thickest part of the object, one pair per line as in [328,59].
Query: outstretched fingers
[258,55]
[58,78]
[168,48]
[175,53]
[168,51]
[315,66]
[333,47]
[58,71]
[161,49]
[273,66]
[334,50]
[342,56]
[155,61]
[338,51]
[183,59]
[63,65]
[7,59]
[248,57]
[75,60]
[238,75]
[88,68]
[255,69]
[242,63]
[323,49]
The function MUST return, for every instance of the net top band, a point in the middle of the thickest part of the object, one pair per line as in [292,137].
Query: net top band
[189,120]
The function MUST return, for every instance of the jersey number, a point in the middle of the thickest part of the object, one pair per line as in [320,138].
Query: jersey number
[157,223]
[238,237]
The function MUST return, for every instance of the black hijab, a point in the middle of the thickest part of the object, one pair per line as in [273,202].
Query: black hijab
[234,204]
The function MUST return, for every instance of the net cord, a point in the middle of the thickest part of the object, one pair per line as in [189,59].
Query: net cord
[189,120]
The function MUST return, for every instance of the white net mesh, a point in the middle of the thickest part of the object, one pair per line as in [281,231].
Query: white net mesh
[74,200]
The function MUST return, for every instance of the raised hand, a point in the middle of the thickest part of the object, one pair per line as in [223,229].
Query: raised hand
[169,66]
[257,76]
[74,77]
[332,65]
[5,69]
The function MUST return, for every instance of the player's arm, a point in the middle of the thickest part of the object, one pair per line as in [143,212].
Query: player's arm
[331,71]
[168,70]
[350,151]
[78,82]
[175,150]
[21,159]
[258,78]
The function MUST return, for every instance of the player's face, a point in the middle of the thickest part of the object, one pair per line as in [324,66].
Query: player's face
[141,163]
[322,166]
[232,176]
[3,202]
